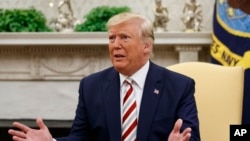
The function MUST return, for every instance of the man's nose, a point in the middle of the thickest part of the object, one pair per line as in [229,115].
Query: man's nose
[117,43]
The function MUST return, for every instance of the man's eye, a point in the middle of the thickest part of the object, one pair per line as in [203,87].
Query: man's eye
[125,37]
[111,38]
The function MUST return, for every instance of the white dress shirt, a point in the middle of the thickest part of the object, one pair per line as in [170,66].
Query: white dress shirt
[138,85]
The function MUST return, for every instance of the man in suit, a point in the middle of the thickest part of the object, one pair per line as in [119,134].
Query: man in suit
[165,107]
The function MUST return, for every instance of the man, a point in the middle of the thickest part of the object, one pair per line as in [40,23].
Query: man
[165,107]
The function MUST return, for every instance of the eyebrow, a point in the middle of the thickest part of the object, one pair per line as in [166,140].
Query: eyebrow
[120,33]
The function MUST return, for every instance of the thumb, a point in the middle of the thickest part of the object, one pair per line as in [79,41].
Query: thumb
[40,123]
[177,126]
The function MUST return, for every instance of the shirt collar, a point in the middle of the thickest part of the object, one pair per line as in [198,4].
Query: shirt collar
[139,77]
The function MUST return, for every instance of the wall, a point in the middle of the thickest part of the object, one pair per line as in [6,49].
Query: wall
[81,7]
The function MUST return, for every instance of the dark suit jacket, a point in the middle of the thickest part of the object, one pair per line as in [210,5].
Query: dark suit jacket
[98,116]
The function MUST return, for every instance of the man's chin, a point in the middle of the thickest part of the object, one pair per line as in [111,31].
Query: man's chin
[119,66]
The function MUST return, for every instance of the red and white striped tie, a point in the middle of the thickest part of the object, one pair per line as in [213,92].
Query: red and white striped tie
[129,115]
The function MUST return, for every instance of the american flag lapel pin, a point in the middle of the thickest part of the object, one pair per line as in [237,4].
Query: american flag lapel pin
[156,91]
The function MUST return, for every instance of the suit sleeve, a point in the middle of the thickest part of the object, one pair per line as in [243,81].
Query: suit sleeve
[187,110]
[80,125]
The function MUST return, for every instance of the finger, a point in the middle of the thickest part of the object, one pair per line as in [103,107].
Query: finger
[186,134]
[187,137]
[17,133]
[177,126]
[186,131]
[40,123]
[21,126]
[15,138]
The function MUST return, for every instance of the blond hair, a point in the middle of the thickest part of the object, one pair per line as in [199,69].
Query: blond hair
[146,27]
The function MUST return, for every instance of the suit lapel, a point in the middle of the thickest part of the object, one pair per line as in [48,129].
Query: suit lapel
[150,99]
[112,106]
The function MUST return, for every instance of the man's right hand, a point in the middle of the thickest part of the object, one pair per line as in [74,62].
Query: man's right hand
[26,133]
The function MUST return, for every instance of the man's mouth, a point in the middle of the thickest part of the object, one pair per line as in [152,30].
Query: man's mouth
[119,56]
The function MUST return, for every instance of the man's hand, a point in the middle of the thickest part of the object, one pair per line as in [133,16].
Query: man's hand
[175,135]
[28,134]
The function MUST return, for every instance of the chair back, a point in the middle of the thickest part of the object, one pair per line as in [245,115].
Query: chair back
[218,94]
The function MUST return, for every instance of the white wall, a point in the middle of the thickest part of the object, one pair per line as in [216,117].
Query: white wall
[81,7]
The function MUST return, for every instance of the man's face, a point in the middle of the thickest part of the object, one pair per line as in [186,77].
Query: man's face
[128,52]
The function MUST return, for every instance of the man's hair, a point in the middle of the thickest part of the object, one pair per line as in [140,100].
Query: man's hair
[146,26]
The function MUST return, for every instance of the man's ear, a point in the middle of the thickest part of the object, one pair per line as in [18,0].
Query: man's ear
[147,46]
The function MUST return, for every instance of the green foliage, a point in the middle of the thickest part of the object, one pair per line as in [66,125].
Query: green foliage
[23,20]
[97,18]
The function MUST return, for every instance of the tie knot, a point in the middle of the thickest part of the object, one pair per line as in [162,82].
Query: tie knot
[128,81]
